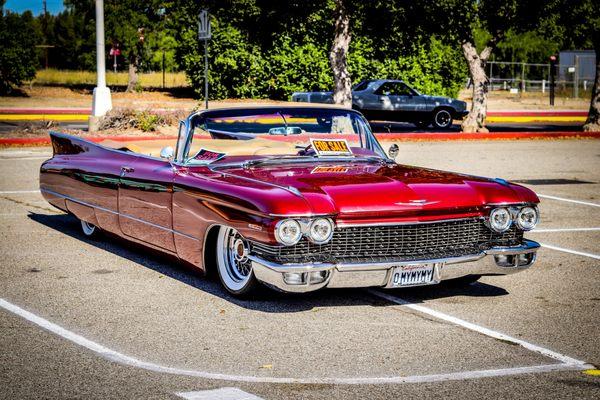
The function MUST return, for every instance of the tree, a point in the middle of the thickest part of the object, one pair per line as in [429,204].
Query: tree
[17,48]
[338,56]
[461,20]
[129,23]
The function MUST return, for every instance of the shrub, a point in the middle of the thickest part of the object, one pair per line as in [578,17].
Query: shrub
[147,122]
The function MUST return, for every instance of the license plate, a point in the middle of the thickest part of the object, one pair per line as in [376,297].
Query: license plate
[412,274]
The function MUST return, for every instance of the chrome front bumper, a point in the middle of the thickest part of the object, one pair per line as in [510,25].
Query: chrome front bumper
[495,261]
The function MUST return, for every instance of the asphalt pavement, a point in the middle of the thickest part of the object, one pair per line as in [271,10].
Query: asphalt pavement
[83,318]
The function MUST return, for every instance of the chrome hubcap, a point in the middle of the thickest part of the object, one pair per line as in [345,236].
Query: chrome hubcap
[443,118]
[236,256]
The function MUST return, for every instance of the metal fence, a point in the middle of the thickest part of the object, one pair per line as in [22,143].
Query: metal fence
[571,80]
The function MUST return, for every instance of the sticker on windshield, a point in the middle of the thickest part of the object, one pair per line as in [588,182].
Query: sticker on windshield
[331,147]
[207,156]
[329,170]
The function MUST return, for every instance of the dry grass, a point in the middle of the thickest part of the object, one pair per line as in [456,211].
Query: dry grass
[74,78]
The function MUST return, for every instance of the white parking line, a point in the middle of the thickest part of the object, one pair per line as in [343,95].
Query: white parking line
[477,328]
[18,191]
[227,393]
[579,253]
[545,196]
[567,363]
[24,158]
[564,230]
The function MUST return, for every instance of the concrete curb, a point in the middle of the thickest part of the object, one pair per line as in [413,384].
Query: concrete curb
[500,113]
[402,137]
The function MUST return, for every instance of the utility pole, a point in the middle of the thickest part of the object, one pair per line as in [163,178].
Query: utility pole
[45,33]
[102,102]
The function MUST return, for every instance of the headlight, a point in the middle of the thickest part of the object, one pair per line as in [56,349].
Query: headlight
[320,231]
[288,232]
[500,219]
[527,218]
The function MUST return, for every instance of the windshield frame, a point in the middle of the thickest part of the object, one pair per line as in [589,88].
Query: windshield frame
[197,118]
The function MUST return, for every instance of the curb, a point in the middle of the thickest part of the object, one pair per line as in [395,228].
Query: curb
[403,137]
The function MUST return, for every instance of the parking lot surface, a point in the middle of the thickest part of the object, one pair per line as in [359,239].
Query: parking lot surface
[107,319]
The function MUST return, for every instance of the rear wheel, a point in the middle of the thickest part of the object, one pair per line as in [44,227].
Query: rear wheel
[442,119]
[233,265]
[88,229]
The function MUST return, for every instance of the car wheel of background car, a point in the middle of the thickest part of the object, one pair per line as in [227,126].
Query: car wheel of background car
[462,281]
[233,265]
[442,119]
[422,124]
[88,229]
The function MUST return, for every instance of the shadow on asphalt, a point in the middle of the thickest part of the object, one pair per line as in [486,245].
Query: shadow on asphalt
[266,300]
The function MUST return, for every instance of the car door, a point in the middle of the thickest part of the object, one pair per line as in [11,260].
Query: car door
[145,201]
[394,100]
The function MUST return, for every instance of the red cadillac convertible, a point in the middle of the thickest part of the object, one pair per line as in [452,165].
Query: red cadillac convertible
[296,198]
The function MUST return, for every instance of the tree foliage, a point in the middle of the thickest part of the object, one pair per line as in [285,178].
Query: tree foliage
[17,48]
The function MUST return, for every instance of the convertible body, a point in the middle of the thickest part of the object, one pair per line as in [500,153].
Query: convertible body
[243,192]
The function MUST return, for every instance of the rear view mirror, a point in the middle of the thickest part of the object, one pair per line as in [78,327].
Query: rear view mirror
[393,151]
[167,153]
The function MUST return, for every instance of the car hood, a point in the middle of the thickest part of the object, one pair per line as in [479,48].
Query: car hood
[361,190]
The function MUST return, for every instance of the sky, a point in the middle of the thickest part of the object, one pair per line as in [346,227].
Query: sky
[36,6]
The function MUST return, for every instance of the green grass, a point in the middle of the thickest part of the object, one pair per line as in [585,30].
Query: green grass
[74,78]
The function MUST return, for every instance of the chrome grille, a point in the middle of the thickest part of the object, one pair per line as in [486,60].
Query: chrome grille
[394,243]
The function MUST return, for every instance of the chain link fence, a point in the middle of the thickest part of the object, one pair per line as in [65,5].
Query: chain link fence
[574,79]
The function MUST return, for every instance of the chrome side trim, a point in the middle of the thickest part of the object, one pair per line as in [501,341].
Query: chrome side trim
[117,213]
[290,189]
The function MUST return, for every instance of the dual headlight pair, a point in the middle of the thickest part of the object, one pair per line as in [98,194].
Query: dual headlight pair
[289,231]
[526,218]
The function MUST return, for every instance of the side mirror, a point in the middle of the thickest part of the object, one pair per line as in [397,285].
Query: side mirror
[393,151]
[167,153]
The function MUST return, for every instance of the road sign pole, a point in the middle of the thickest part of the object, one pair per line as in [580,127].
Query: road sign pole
[206,72]
[204,34]
[552,72]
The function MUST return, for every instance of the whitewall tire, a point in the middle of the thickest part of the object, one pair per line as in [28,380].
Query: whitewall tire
[233,265]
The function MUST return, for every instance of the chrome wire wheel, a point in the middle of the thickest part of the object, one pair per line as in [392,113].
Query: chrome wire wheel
[87,228]
[442,119]
[234,266]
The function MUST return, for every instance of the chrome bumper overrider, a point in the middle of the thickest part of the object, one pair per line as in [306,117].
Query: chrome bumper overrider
[495,261]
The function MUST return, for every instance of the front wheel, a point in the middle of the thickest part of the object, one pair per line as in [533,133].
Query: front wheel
[442,119]
[233,265]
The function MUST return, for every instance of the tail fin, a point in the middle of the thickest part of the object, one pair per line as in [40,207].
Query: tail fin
[68,144]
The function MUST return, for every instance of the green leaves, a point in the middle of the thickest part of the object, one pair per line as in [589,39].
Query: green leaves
[17,49]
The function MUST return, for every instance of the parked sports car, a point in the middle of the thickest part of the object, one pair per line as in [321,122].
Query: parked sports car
[297,198]
[393,100]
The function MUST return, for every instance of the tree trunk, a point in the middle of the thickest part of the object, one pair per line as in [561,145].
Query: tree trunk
[475,121]
[132,82]
[338,56]
[592,124]
[135,59]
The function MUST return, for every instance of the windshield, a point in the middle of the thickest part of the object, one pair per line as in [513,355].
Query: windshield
[279,133]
